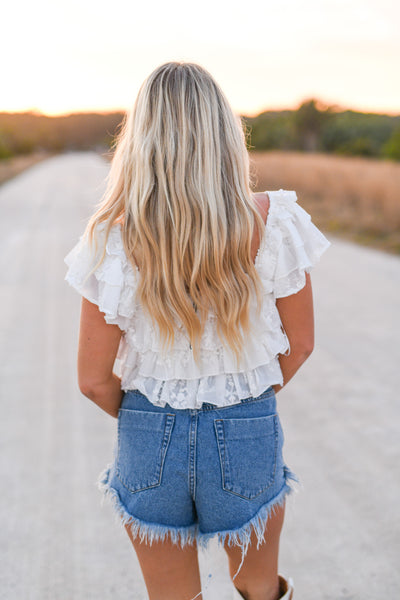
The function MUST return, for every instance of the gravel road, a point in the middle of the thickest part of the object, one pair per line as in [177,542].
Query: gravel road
[340,414]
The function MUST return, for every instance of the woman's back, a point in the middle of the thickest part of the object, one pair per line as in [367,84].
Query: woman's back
[291,245]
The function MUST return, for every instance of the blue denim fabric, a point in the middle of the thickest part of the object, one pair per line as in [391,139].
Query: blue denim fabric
[191,474]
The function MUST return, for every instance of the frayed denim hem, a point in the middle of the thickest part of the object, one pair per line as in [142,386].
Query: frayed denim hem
[146,532]
[241,536]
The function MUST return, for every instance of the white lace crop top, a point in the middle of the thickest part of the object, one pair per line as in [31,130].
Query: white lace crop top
[290,247]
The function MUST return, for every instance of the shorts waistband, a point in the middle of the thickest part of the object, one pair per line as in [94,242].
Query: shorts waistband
[267,394]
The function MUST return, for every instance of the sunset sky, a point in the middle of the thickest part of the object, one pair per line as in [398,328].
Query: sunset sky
[86,55]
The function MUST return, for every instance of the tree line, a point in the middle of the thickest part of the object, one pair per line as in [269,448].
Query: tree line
[312,127]
[24,133]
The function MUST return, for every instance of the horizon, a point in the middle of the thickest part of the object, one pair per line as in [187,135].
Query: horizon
[105,111]
[78,58]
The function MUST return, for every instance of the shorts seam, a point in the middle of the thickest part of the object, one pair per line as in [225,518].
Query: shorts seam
[263,396]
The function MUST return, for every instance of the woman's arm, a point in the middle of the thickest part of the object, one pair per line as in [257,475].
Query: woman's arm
[98,346]
[297,316]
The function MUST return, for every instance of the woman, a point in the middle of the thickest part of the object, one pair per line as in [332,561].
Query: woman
[201,291]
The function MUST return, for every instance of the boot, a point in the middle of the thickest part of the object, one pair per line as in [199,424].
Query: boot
[285,590]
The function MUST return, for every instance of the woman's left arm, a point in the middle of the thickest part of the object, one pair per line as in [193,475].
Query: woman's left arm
[98,346]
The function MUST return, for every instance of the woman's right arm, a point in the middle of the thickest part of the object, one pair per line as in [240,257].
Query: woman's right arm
[98,347]
[297,315]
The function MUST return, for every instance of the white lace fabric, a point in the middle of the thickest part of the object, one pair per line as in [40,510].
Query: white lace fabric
[290,247]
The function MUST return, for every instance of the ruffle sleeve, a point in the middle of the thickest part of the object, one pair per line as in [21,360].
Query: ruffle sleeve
[113,284]
[295,242]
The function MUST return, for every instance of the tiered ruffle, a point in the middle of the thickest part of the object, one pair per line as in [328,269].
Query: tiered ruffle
[290,247]
[294,241]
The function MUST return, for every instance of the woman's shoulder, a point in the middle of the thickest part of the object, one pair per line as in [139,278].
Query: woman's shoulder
[262,201]
[102,273]
[276,206]
[292,244]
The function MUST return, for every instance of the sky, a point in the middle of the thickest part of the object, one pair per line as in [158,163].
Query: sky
[82,55]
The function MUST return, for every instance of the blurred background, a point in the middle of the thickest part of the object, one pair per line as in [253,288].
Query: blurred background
[318,89]
[316,84]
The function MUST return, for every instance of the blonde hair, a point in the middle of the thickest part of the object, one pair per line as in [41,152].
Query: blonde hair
[179,184]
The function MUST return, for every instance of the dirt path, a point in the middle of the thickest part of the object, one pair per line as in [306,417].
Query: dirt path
[10,167]
[340,415]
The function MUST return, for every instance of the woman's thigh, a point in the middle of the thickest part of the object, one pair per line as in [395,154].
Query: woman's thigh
[170,572]
[260,564]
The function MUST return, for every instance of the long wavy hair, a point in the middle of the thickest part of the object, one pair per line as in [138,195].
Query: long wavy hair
[179,185]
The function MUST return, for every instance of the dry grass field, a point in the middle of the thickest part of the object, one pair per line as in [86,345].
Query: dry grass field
[357,198]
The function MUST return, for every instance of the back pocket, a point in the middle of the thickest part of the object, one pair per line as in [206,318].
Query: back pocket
[248,451]
[143,440]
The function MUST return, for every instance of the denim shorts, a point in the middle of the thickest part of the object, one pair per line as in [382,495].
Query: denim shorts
[191,474]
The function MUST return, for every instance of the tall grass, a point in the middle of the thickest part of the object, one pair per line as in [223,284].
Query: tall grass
[358,198]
